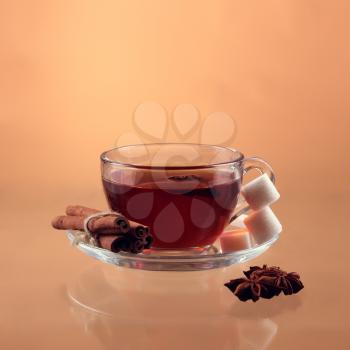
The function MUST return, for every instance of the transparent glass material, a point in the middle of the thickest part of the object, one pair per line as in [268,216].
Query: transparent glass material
[185,193]
[154,260]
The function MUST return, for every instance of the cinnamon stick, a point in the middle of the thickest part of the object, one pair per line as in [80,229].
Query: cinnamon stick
[109,225]
[125,225]
[68,222]
[136,246]
[121,243]
[139,232]
[79,210]
[148,242]
[97,226]
[114,243]
[105,226]
[113,232]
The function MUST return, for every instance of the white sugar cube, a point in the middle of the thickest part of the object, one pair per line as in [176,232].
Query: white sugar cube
[238,239]
[263,225]
[260,192]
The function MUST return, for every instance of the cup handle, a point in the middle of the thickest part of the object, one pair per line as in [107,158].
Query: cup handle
[249,164]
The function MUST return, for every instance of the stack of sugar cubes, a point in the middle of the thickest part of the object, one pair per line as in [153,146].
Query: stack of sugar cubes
[261,224]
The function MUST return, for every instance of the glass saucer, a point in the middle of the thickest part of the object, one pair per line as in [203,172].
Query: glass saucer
[154,260]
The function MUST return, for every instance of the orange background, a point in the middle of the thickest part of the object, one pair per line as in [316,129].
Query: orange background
[72,72]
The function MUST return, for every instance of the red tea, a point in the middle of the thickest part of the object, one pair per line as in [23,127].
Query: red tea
[181,211]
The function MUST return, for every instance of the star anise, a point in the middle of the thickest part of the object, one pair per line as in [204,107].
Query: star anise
[265,270]
[245,289]
[254,288]
[265,282]
[289,283]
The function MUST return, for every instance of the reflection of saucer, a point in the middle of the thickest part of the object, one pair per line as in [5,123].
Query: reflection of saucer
[141,295]
[155,261]
[127,309]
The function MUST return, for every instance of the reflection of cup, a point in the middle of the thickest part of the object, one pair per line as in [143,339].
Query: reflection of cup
[185,193]
[171,333]
[127,309]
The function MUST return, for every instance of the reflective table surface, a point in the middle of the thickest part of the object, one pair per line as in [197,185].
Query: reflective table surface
[55,297]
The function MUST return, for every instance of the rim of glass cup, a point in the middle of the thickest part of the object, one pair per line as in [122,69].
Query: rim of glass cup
[237,156]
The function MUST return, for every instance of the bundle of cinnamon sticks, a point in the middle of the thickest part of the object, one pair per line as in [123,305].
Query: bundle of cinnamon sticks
[113,232]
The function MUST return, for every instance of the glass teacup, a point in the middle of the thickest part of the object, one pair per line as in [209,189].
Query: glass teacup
[185,193]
